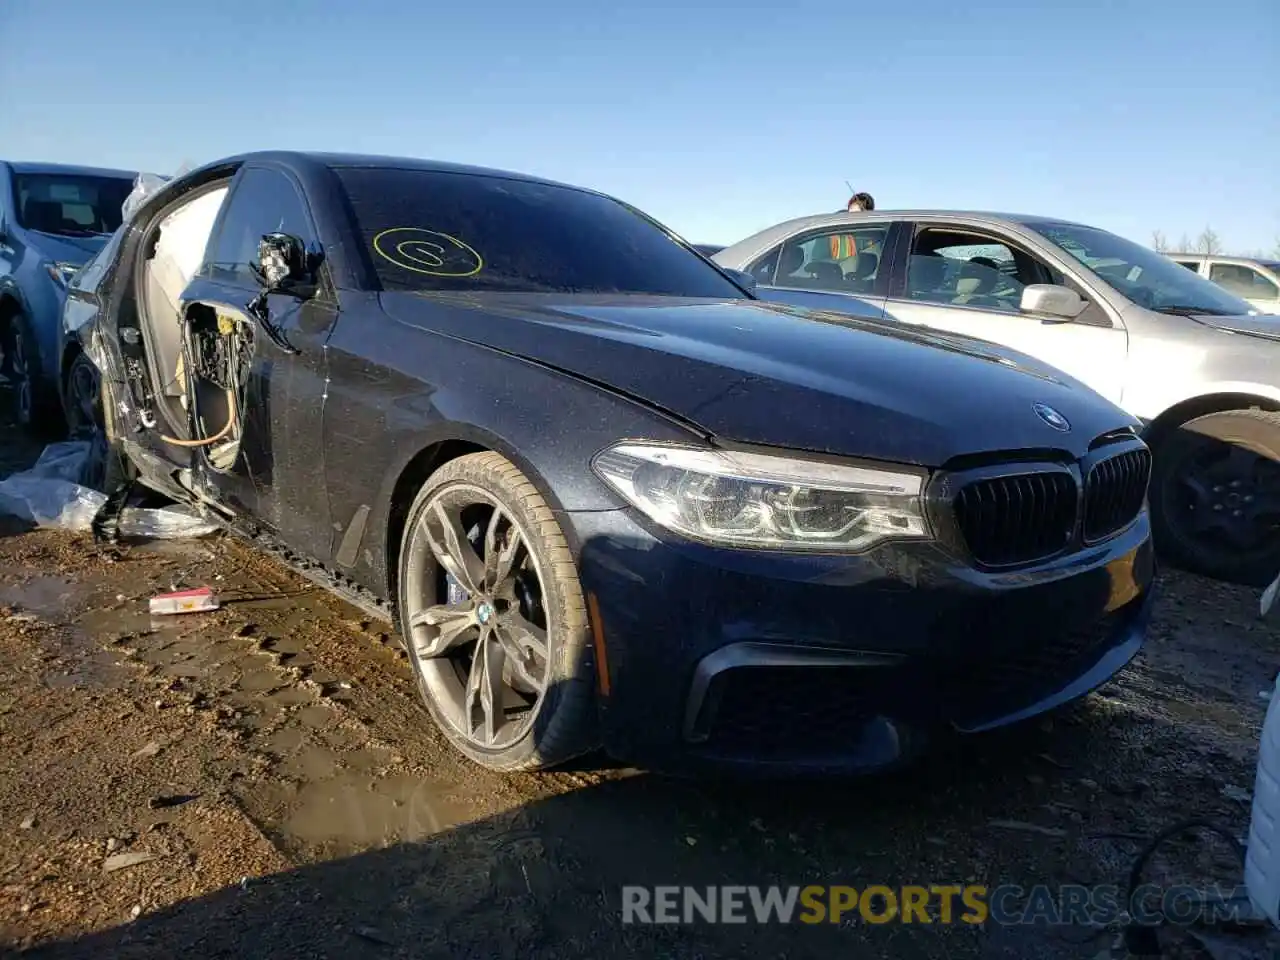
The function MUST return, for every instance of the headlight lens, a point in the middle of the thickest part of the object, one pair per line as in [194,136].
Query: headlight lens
[62,273]
[766,501]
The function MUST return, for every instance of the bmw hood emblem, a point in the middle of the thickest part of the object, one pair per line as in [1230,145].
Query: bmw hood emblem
[1052,417]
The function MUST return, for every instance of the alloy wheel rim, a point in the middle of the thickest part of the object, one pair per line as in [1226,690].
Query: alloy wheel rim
[84,397]
[482,653]
[20,379]
[1228,501]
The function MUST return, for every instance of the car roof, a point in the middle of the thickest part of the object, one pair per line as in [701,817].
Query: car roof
[379,162]
[771,235]
[870,216]
[20,166]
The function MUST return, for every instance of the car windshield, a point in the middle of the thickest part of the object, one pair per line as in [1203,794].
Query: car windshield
[1147,278]
[430,230]
[72,205]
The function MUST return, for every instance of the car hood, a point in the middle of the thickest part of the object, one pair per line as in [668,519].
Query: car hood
[755,372]
[60,249]
[1266,327]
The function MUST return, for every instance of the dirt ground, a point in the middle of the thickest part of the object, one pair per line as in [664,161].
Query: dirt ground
[260,781]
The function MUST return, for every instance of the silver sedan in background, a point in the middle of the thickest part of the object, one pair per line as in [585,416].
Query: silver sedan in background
[1195,362]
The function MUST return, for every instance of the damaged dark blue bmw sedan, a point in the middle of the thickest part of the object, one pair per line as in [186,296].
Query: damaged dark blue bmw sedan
[610,498]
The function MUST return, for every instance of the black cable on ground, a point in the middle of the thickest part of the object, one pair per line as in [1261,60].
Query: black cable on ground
[106,522]
[1140,938]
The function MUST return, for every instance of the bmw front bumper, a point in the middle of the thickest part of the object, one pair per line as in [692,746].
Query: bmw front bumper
[754,662]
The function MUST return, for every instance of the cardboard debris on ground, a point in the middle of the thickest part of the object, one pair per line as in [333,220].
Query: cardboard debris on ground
[122,861]
[184,601]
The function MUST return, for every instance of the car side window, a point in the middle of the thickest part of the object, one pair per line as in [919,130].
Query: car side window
[970,269]
[1243,281]
[843,259]
[762,268]
[263,201]
[966,268]
[1191,265]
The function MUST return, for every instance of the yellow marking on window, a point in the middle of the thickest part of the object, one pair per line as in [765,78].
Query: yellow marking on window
[429,252]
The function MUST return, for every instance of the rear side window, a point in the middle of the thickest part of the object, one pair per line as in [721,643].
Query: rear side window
[1243,281]
[428,230]
[841,259]
[764,267]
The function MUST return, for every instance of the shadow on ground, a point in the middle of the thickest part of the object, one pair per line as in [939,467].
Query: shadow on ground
[546,879]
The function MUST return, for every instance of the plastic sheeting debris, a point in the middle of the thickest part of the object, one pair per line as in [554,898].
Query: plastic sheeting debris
[144,185]
[1269,596]
[52,494]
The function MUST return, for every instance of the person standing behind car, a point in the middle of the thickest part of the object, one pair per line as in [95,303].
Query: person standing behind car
[845,247]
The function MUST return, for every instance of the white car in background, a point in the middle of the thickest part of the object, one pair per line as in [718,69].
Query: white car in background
[1255,281]
[1193,361]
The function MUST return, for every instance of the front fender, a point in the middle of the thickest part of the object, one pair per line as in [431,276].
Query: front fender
[11,290]
[548,423]
[40,301]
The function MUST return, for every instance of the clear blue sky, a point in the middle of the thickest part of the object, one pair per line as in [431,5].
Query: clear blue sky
[718,118]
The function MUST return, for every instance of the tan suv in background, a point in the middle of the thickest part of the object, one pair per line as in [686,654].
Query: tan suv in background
[1257,281]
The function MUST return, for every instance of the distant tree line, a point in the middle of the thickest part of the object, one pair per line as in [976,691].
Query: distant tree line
[1207,243]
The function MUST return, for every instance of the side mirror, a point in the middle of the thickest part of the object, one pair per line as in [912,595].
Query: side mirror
[742,279]
[1052,300]
[282,262]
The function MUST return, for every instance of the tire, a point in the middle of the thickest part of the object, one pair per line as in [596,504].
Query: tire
[1199,473]
[82,398]
[35,407]
[117,469]
[561,721]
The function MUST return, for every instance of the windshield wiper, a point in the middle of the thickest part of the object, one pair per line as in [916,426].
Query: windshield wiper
[70,233]
[1187,310]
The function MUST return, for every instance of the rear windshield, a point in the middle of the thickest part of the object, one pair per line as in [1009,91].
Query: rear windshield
[432,230]
[71,205]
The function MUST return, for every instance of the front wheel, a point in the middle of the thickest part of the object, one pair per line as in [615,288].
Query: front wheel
[493,616]
[34,405]
[1215,495]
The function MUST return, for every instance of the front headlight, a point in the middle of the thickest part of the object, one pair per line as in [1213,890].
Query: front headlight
[765,501]
[62,273]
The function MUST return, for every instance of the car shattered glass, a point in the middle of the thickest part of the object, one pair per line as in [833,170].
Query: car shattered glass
[766,501]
